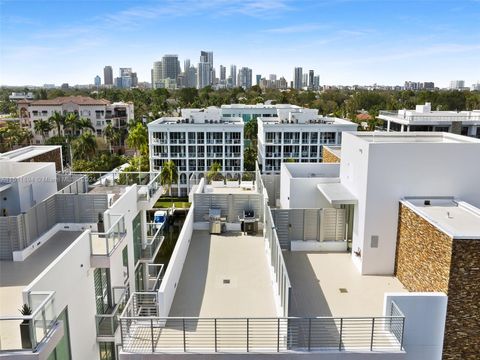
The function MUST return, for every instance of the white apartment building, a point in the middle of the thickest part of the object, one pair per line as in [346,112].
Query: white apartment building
[100,112]
[360,261]
[249,112]
[297,135]
[72,249]
[424,119]
[194,141]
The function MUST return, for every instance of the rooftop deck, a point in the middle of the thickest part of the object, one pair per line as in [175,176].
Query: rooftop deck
[229,190]
[212,259]
[317,278]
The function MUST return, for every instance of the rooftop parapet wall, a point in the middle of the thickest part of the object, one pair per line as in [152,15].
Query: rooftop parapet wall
[329,156]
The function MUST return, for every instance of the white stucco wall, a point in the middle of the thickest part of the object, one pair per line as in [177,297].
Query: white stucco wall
[71,278]
[425,315]
[380,174]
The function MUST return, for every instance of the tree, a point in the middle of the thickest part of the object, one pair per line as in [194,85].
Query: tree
[13,134]
[59,121]
[85,146]
[112,135]
[215,172]
[251,130]
[169,175]
[43,127]
[249,158]
[84,123]
[137,137]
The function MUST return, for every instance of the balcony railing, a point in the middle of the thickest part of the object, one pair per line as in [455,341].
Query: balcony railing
[107,324]
[146,192]
[38,325]
[144,332]
[154,241]
[103,243]
[154,276]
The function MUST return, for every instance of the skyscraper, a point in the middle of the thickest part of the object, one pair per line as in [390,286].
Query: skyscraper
[311,75]
[258,77]
[245,77]
[316,82]
[97,81]
[108,75]
[157,74]
[207,57]
[272,77]
[233,75]
[170,67]
[223,75]
[186,65]
[204,75]
[191,77]
[297,78]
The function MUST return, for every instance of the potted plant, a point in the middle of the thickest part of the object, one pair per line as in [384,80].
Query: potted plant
[25,327]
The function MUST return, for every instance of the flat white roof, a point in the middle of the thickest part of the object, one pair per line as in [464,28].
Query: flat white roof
[337,193]
[312,170]
[28,152]
[12,169]
[413,137]
[177,121]
[455,218]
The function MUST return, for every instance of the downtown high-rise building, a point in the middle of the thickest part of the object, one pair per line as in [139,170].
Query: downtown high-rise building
[206,57]
[233,76]
[258,77]
[297,78]
[244,78]
[316,82]
[186,65]
[272,77]
[97,81]
[108,75]
[223,75]
[204,75]
[170,67]
[311,75]
[157,74]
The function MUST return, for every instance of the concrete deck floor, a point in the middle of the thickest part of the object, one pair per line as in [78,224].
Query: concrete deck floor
[316,280]
[211,259]
[230,190]
[16,275]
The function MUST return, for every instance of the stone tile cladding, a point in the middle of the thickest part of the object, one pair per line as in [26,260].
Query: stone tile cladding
[51,156]
[429,260]
[329,157]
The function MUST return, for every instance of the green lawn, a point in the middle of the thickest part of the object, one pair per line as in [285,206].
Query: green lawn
[166,202]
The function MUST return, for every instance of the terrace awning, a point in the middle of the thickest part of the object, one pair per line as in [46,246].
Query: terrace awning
[337,194]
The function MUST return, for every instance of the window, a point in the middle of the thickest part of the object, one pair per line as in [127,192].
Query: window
[62,350]
[107,350]
[327,138]
[177,137]
[35,113]
[101,278]
[305,138]
[313,138]
[125,265]
[191,138]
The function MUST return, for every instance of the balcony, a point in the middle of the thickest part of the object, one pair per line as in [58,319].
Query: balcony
[159,141]
[107,324]
[178,155]
[27,333]
[154,241]
[154,276]
[148,195]
[232,141]
[104,243]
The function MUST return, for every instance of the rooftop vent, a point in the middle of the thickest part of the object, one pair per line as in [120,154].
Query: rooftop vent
[427,203]
[343,290]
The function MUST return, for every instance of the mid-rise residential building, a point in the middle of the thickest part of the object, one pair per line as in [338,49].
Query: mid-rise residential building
[424,119]
[108,75]
[194,141]
[352,260]
[412,85]
[72,250]
[100,112]
[296,135]
[297,78]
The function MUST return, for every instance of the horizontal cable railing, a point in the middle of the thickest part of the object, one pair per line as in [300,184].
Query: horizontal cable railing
[154,241]
[204,335]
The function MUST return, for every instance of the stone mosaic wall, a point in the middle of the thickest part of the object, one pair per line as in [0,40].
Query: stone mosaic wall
[51,156]
[328,156]
[429,260]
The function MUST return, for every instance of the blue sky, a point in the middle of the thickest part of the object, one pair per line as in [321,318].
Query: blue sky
[345,41]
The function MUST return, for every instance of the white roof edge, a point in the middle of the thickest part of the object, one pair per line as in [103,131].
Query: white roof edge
[337,194]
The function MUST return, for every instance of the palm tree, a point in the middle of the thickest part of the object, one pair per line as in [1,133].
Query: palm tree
[59,121]
[84,123]
[71,121]
[215,172]
[137,137]
[43,127]
[85,146]
[169,175]
[112,135]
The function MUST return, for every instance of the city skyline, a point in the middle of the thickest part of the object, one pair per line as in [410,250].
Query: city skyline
[346,42]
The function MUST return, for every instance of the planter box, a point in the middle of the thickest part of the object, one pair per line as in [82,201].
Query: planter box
[232,183]
[218,183]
